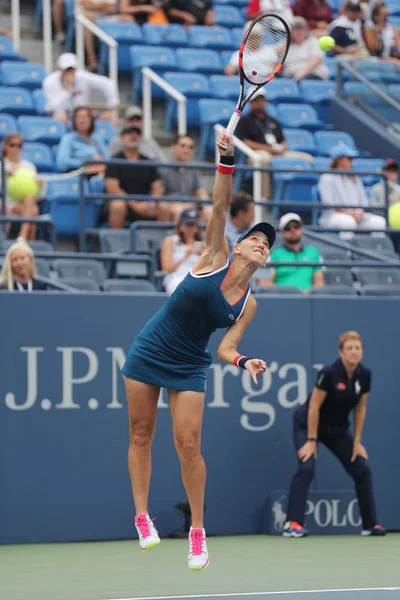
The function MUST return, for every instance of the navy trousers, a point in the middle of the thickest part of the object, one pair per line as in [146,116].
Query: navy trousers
[340,444]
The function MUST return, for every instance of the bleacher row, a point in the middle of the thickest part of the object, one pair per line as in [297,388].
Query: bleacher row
[142,273]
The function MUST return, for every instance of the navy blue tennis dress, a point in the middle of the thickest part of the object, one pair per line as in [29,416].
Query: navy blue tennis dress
[170,351]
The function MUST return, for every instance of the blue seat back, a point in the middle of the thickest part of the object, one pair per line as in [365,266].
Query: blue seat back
[40,155]
[224,86]
[216,111]
[16,101]
[39,102]
[41,129]
[106,129]
[159,58]
[326,140]
[27,75]
[69,186]
[228,16]
[200,61]
[173,35]
[126,35]
[300,139]
[217,38]
[193,86]
[7,51]
[8,124]
[283,90]
[317,91]
[297,115]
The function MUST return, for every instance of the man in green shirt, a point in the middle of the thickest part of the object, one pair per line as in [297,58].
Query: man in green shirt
[293,250]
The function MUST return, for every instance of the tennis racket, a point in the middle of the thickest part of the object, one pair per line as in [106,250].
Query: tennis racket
[261,56]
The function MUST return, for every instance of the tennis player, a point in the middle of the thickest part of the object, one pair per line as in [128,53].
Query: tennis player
[171,352]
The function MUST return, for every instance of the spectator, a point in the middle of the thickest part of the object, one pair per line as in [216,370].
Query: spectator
[125,179]
[179,252]
[391,170]
[180,181]
[263,133]
[293,250]
[381,38]
[93,10]
[82,144]
[282,8]
[19,270]
[241,217]
[346,30]
[138,10]
[305,59]
[58,19]
[190,12]
[317,13]
[26,207]
[69,87]
[345,190]
[133,115]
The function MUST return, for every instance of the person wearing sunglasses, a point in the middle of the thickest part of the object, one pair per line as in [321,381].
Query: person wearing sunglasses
[183,182]
[293,250]
[27,206]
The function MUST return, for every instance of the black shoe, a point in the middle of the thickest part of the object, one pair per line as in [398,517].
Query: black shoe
[375,530]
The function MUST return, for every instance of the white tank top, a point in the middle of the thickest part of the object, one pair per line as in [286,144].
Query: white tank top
[173,279]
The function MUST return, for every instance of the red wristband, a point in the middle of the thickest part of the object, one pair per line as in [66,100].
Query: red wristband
[237,358]
[226,169]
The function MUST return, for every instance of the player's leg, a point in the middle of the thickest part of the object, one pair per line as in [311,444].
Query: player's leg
[142,410]
[187,416]
[341,445]
[300,484]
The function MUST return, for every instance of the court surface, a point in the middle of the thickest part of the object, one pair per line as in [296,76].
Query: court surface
[241,568]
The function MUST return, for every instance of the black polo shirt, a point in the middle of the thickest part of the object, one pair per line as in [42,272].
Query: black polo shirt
[197,8]
[260,130]
[342,394]
[133,180]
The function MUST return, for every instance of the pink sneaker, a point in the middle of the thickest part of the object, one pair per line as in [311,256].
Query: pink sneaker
[198,558]
[148,534]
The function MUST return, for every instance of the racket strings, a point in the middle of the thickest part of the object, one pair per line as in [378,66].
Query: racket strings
[265,49]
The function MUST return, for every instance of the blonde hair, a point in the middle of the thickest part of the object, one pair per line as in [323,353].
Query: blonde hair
[7,275]
[349,335]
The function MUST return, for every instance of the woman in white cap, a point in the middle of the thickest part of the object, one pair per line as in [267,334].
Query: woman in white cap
[69,87]
[344,191]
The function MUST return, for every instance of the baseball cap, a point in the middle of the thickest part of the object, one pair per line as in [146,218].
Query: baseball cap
[266,228]
[67,61]
[133,111]
[131,129]
[390,165]
[260,92]
[353,5]
[343,150]
[189,215]
[285,219]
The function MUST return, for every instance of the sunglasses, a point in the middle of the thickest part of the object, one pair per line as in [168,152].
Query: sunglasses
[291,226]
[15,145]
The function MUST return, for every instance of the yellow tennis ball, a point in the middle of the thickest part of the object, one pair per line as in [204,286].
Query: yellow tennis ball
[22,184]
[326,43]
[394,215]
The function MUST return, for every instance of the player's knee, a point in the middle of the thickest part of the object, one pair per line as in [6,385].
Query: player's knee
[141,434]
[187,446]
[359,469]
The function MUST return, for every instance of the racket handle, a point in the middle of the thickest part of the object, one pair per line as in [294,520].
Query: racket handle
[235,118]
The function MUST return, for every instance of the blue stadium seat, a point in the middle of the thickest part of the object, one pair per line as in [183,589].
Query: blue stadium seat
[16,101]
[333,290]
[368,164]
[368,276]
[394,90]
[393,6]
[8,124]
[212,112]
[331,63]
[115,240]
[224,86]
[173,35]
[199,61]
[226,58]
[381,290]
[41,156]
[26,75]
[294,186]
[319,94]
[7,50]
[88,268]
[62,187]
[325,140]
[355,88]
[126,34]
[193,86]
[395,20]
[105,129]
[83,284]
[128,285]
[339,276]
[283,90]
[228,16]
[237,36]
[159,58]
[39,102]
[322,162]
[316,198]
[41,129]
[301,140]
[299,115]
[211,38]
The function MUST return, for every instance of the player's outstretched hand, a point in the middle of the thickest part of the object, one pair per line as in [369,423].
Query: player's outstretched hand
[255,367]
[225,144]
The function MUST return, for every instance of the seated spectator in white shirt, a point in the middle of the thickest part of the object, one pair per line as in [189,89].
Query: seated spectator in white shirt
[305,59]
[346,30]
[179,252]
[179,181]
[345,190]
[381,38]
[69,87]
[149,147]
[391,170]
[82,144]
[241,217]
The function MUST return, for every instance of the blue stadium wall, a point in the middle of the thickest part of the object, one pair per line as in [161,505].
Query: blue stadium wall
[64,431]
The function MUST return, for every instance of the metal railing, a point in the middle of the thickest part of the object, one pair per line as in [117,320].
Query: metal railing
[149,76]
[80,23]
